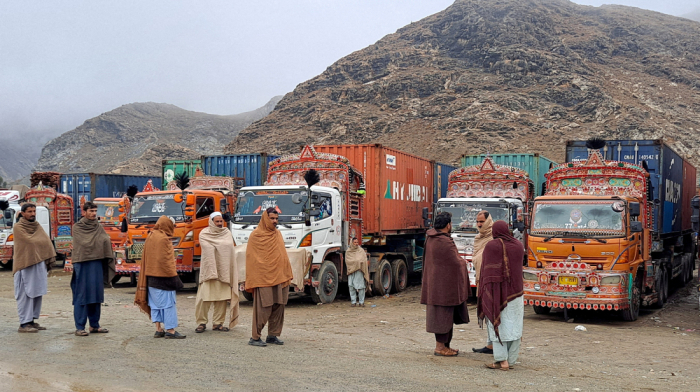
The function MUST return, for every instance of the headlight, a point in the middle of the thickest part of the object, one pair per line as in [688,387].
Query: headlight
[595,290]
[537,287]
[529,276]
[189,236]
[611,280]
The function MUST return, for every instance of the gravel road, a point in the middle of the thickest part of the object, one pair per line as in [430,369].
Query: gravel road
[336,347]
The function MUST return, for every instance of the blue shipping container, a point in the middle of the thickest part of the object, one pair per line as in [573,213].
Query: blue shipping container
[442,174]
[84,187]
[535,165]
[665,170]
[252,167]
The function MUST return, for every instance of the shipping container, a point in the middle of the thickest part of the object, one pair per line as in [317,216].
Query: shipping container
[669,176]
[252,167]
[442,173]
[84,187]
[535,165]
[398,185]
[171,167]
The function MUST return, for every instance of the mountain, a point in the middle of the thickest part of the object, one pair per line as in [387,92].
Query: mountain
[18,159]
[134,138]
[695,15]
[501,76]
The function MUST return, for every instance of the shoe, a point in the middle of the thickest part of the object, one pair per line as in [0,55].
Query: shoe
[27,328]
[159,334]
[362,305]
[274,340]
[484,350]
[176,335]
[37,326]
[258,342]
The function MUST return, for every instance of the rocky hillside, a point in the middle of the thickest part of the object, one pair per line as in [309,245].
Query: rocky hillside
[134,138]
[502,76]
[18,159]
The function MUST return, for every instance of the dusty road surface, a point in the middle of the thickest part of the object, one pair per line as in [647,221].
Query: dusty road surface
[336,348]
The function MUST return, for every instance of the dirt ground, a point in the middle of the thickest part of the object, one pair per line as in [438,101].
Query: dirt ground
[383,346]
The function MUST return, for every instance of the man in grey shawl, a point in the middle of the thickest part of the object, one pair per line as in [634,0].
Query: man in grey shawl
[33,253]
[93,268]
[358,273]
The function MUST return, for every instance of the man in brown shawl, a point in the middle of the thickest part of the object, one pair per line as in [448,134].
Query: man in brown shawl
[218,276]
[358,273]
[158,280]
[500,300]
[484,222]
[93,268]
[33,254]
[268,274]
[445,285]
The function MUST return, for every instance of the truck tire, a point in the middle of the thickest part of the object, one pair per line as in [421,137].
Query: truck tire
[382,278]
[632,313]
[133,279]
[659,289]
[327,284]
[666,283]
[7,266]
[115,279]
[247,295]
[399,275]
[541,309]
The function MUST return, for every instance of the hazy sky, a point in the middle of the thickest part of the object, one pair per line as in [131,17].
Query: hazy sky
[62,62]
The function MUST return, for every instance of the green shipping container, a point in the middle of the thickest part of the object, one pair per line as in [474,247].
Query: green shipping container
[171,167]
[534,164]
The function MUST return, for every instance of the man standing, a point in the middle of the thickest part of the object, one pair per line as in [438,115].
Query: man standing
[500,300]
[484,223]
[358,273]
[218,276]
[33,253]
[268,274]
[445,287]
[93,267]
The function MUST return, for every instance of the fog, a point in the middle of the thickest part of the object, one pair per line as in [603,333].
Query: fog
[62,62]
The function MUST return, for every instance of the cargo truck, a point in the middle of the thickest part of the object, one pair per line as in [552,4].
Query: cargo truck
[372,192]
[613,231]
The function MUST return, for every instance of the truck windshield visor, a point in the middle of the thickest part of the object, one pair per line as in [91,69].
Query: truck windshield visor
[290,205]
[594,218]
[108,213]
[464,214]
[148,208]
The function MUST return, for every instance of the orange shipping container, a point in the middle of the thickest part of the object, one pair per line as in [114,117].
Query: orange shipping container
[398,185]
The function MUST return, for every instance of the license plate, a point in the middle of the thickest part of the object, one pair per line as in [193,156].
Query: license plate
[568,280]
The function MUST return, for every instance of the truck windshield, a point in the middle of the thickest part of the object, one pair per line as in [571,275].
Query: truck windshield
[289,203]
[464,214]
[6,223]
[148,208]
[108,213]
[598,218]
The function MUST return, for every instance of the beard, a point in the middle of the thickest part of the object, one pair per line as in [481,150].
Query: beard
[32,219]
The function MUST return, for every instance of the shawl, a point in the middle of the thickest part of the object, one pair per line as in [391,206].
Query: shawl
[218,262]
[32,245]
[501,280]
[157,260]
[266,260]
[91,242]
[480,242]
[356,260]
[445,279]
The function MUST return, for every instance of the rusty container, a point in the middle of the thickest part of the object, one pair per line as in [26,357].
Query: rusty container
[399,185]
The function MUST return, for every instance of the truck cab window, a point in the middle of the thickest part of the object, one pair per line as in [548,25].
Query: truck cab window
[204,207]
[325,206]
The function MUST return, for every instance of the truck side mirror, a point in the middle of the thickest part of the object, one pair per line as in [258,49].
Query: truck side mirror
[425,213]
[125,226]
[636,227]
[8,214]
[635,209]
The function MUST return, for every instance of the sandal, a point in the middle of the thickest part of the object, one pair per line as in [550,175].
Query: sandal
[201,328]
[220,328]
[99,330]
[496,366]
[81,332]
[445,352]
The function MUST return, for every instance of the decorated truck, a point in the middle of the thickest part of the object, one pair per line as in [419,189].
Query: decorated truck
[503,191]
[189,209]
[9,207]
[372,192]
[613,231]
[55,214]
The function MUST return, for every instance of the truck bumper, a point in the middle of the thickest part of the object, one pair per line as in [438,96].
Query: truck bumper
[549,289]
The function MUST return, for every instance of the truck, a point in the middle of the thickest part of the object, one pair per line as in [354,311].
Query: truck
[614,230]
[84,187]
[189,209]
[379,194]
[534,164]
[54,212]
[504,191]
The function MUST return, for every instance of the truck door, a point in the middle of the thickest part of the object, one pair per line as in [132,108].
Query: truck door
[42,216]
[326,226]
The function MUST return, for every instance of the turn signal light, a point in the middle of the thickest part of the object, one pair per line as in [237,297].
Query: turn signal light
[306,241]
[11,238]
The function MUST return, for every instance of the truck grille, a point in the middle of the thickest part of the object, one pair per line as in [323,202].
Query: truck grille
[136,250]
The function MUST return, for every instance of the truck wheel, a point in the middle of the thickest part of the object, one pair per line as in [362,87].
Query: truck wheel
[115,279]
[7,266]
[327,284]
[541,309]
[399,274]
[631,313]
[665,284]
[247,295]
[382,278]
[661,297]
[133,279]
